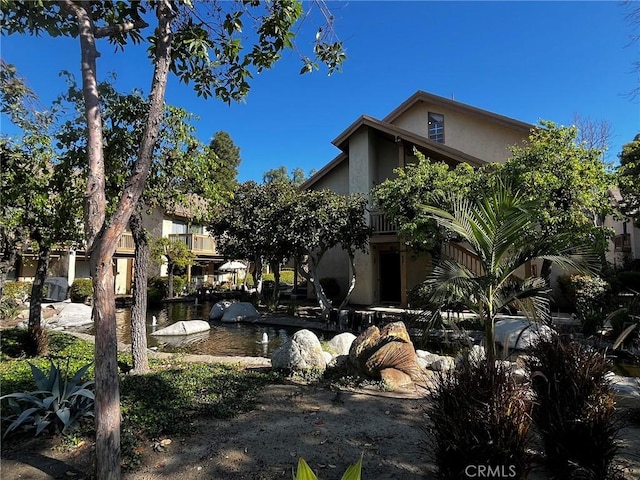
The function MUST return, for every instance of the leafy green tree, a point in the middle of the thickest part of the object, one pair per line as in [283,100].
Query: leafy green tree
[320,221]
[41,202]
[228,154]
[184,41]
[493,226]
[281,174]
[185,175]
[571,183]
[254,226]
[629,179]
[402,198]
[175,253]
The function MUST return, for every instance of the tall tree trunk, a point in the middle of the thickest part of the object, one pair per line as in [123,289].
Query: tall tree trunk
[170,268]
[352,285]
[38,340]
[257,274]
[102,240]
[139,307]
[309,271]
[275,266]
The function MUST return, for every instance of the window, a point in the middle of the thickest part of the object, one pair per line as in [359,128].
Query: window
[436,127]
[178,227]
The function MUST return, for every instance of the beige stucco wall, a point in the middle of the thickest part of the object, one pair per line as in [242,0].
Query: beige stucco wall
[418,267]
[121,283]
[364,292]
[337,181]
[335,263]
[362,161]
[387,159]
[471,134]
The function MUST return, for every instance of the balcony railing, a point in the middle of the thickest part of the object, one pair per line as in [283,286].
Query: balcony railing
[381,224]
[125,244]
[462,256]
[197,243]
[622,242]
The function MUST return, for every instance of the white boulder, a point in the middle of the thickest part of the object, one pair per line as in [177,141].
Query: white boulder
[187,327]
[519,333]
[240,312]
[61,315]
[340,344]
[301,352]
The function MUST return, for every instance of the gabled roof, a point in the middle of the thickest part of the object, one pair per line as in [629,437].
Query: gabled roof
[424,97]
[431,148]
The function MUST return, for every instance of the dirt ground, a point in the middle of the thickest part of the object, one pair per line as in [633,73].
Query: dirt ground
[329,429]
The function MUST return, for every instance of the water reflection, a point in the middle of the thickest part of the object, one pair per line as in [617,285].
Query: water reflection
[223,339]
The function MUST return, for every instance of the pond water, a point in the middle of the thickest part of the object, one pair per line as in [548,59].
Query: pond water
[223,339]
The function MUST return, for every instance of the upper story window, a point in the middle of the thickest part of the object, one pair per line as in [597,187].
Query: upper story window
[436,127]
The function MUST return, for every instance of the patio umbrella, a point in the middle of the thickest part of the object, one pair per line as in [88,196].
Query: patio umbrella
[232,266]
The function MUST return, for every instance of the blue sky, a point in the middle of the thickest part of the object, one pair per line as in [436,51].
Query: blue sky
[526,60]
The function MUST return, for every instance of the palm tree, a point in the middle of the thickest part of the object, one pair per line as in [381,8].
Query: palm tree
[495,227]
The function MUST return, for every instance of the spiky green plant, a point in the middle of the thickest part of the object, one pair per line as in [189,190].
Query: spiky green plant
[304,472]
[58,403]
[497,228]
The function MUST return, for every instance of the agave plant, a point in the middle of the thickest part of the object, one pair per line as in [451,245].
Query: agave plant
[58,403]
[496,226]
[304,471]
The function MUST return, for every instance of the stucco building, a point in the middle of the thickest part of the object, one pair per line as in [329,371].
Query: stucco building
[441,129]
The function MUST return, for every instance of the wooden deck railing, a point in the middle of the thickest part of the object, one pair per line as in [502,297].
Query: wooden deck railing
[125,244]
[463,256]
[381,224]
[196,242]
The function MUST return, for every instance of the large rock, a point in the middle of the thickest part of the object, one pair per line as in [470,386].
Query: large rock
[240,312]
[341,344]
[184,328]
[63,315]
[301,352]
[376,351]
[519,333]
[217,311]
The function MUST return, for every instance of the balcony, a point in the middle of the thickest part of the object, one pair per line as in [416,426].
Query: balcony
[196,242]
[125,244]
[622,242]
[381,224]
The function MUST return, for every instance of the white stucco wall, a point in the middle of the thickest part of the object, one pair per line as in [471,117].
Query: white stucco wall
[471,134]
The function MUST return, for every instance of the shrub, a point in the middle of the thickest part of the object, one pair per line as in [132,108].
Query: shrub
[591,298]
[18,292]
[14,295]
[574,409]
[478,415]
[81,290]
[156,290]
[331,287]
[58,403]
